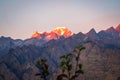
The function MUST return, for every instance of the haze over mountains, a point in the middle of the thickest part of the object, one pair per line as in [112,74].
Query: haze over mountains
[100,59]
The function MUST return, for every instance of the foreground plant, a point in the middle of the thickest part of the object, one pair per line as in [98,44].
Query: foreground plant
[43,69]
[69,71]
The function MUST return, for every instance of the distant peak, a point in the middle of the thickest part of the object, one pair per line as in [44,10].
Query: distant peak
[36,35]
[40,32]
[62,31]
[118,28]
[54,34]
[92,31]
[92,34]
[110,29]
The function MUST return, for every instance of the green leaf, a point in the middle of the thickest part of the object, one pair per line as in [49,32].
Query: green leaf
[43,60]
[80,66]
[38,64]
[63,70]
[74,50]
[79,71]
[67,61]
[38,74]
[77,47]
[63,56]
[69,54]
[62,63]
[69,67]
[82,48]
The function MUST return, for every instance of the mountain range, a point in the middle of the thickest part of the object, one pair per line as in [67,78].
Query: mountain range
[54,34]
[100,59]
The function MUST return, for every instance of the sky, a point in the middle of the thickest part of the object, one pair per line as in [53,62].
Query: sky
[20,18]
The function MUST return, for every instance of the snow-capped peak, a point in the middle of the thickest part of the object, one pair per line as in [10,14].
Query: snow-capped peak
[62,31]
[54,34]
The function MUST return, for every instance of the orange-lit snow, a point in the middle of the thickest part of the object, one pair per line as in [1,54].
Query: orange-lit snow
[54,34]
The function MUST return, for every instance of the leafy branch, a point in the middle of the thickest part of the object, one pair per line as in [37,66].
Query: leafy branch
[68,71]
[43,68]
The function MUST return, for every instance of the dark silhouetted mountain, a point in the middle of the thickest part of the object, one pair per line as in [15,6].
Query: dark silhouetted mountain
[92,34]
[34,41]
[113,32]
[100,59]
[6,43]
[110,37]
[37,39]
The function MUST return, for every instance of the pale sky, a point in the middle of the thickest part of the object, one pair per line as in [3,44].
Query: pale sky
[20,18]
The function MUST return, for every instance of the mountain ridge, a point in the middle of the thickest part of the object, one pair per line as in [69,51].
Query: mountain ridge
[54,34]
[100,59]
[41,38]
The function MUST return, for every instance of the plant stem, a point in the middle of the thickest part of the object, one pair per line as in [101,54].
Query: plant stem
[77,62]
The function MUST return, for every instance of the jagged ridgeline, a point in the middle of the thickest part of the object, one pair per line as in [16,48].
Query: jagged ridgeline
[100,59]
